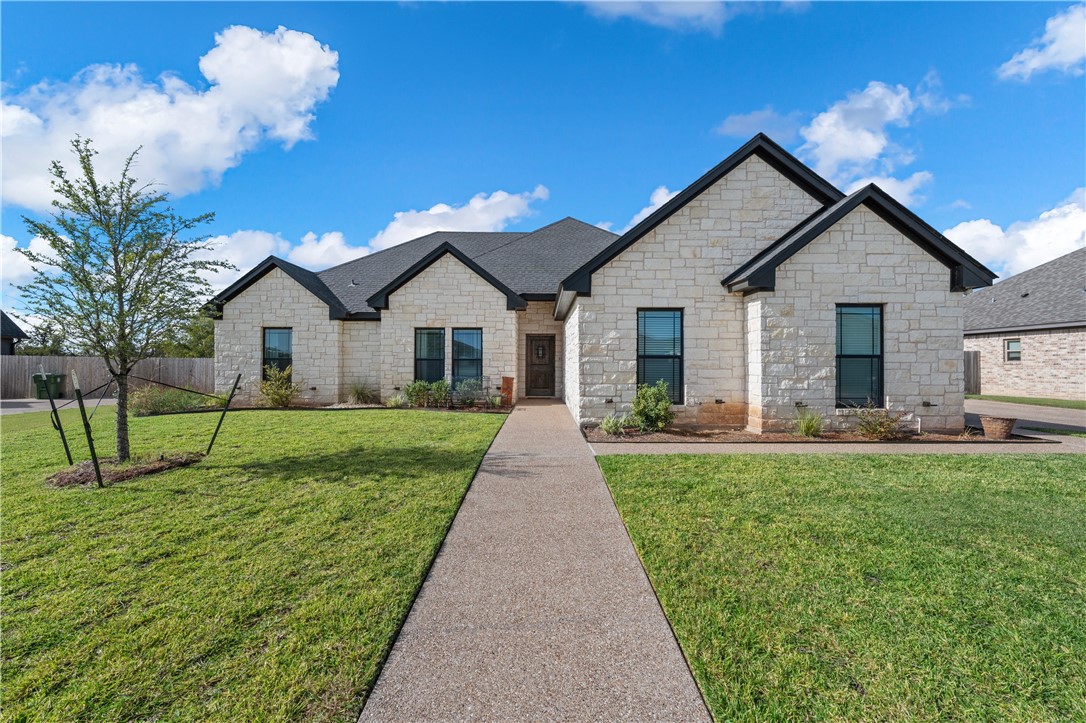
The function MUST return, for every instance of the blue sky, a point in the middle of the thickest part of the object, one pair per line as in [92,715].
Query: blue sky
[321,131]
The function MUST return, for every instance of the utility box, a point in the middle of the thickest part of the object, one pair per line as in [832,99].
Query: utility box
[55,383]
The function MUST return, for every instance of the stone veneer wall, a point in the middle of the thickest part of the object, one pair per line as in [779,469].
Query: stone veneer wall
[538,318]
[360,355]
[1053,363]
[860,260]
[446,295]
[679,265]
[278,300]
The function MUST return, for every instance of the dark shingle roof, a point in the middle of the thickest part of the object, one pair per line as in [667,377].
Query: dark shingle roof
[1048,296]
[8,328]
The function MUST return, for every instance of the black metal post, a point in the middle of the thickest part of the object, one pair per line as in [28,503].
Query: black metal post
[223,415]
[54,416]
[87,429]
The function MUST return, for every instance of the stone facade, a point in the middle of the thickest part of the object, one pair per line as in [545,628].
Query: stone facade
[1053,363]
[276,300]
[538,318]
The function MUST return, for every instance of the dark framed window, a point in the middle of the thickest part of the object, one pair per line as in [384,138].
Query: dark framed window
[278,350]
[467,349]
[1012,350]
[660,349]
[429,354]
[859,356]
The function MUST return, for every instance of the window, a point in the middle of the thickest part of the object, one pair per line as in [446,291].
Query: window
[429,354]
[277,350]
[660,349]
[1012,349]
[467,354]
[859,356]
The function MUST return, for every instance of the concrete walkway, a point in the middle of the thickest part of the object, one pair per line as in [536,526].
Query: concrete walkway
[537,607]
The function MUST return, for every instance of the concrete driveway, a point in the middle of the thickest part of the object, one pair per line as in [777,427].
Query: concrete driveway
[1028,415]
[22,406]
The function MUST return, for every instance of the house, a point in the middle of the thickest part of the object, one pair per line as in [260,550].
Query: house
[10,335]
[759,289]
[1030,331]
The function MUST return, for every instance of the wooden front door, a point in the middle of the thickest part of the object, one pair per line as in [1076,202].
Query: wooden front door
[540,366]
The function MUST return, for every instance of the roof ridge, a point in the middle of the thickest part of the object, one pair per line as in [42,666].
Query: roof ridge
[404,243]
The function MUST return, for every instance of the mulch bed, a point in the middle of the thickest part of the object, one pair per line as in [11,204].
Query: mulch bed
[717,434]
[83,473]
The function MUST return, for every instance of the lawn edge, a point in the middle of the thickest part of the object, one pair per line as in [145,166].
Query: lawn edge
[429,567]
[656,595]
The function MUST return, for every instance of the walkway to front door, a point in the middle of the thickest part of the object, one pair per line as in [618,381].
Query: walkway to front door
[537,607]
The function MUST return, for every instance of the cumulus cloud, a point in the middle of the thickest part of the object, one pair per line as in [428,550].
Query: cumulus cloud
[1025,244]
[658,198]
[261,86]
[1062,48]
[484,212]
[781,128]
[850,142]
[691,16]
[324,251]
[14,267]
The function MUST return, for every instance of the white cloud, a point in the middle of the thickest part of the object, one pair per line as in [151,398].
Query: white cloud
[961,203]
[707,16]
[1061,48]
[905,190]
[324,251]
[16,269]
[483,212]
[244,249]
[262,86]
[658,198]
[1025,244]
[781,128]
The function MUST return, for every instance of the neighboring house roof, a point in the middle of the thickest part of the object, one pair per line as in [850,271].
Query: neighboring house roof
[1050,296]
[759,274]
[762,146]
[9,329]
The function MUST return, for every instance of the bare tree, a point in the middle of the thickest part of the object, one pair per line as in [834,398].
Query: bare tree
[121,276]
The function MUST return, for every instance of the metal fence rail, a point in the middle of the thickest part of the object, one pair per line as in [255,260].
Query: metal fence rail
[16,372]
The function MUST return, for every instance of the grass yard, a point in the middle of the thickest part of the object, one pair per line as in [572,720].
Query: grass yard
[264,583]
[869,587]
[1037,401]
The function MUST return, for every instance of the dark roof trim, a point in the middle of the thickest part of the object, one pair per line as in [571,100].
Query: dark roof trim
[380,299]
[1034,327]
[759,274]
[761,145]
[539,297]
[307,279]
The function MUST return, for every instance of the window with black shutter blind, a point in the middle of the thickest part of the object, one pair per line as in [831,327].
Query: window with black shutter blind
[660,349]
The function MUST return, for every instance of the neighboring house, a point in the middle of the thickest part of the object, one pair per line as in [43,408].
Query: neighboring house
[10,334]
[1030,331]
[758,289]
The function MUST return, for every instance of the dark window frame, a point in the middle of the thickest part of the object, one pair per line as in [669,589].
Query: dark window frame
[677,395]
[1007,349]
[880,399]
[427,360]
[264,360]
[457,360]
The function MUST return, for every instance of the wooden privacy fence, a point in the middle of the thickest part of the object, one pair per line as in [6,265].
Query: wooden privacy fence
[972,372]
[16,371]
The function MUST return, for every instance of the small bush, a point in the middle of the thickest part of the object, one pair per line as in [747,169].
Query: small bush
[416,393]
[494,401]
[364,393]
[878,424]
[615,424]
[469,390]
[277,389]
[808,423]
[439,392]
[396,401]
[153,399]
[652,407]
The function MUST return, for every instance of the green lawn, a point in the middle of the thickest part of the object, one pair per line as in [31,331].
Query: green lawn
[869,587]
[265,583]
[1065,403]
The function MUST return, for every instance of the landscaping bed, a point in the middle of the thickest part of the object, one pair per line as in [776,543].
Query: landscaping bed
[686,435]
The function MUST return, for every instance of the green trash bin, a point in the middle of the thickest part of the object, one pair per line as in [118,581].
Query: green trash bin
[55,382]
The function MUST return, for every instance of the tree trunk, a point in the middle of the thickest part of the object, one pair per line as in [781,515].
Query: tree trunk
[122,417]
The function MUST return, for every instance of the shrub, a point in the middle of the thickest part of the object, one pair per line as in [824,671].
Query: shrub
[439,392]
[416,393]
[364,393]
[878,424]
[153,399]
[615,424]
[494,401]
[808,423]
[277,389]
[396,401]
[652,407]
[469,390]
